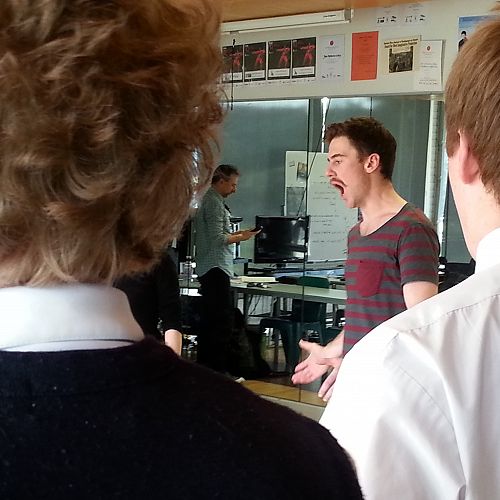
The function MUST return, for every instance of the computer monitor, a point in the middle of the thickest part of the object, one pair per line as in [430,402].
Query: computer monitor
[282,239]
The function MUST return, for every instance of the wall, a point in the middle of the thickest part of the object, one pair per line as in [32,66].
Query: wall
[272,118]
[408,120]
[442,25]
[255,136]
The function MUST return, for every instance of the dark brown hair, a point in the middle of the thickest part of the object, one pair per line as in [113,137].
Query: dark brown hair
[107,114]
[224,171]
[367,136]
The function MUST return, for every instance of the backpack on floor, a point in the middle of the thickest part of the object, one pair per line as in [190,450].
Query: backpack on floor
[245,357]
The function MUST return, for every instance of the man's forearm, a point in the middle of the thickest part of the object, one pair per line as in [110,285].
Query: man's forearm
[239,236]
[335,348]
[234,238]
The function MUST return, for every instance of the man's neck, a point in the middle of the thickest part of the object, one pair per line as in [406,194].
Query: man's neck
[214,187]
[382,204]
[479,219]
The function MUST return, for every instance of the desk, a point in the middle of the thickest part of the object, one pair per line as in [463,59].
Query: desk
[279,291]
[282,291]
[307,293]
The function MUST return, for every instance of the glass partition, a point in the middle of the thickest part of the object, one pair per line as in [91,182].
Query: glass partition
[265,139]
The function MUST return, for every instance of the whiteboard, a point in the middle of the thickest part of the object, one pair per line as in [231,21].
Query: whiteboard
[330,219]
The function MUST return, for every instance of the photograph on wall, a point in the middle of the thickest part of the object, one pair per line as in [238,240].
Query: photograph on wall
[255,62]
[304,57]
[467,25]
[279,61]
[301,171]
[401,55]
[331,55]
[232,56]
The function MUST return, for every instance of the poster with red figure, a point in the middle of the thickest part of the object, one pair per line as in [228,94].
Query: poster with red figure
[255,62]
[279,59]
[304,57]
[232,56]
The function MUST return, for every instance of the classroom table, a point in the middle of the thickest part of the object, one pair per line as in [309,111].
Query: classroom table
[285,291]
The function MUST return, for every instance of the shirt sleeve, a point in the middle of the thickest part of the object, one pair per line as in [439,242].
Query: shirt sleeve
[214,216]
[418,254]
[402,442]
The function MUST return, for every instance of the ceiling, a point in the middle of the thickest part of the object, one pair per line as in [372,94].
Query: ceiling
[238,10]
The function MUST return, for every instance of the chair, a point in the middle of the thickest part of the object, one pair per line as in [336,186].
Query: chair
[304,316]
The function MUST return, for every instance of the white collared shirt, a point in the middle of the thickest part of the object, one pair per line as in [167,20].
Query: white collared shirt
[416,403]
[65,317]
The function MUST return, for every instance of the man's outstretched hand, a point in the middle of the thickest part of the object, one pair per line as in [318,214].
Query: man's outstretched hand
[326,389]
[319,361]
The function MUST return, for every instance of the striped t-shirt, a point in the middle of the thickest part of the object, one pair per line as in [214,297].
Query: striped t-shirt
[403,250]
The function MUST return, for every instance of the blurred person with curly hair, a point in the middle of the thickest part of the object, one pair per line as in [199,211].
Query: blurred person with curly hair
[108,115]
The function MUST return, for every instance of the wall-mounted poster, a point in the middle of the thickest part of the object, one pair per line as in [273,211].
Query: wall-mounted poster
[304,57]
[331,57]
[279,59]
[467,25]
[429,75]
[233,63]
[364,56]
[401,54]
[255,62]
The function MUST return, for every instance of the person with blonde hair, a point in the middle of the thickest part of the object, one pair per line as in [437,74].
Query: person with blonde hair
[416,402]
[108,115]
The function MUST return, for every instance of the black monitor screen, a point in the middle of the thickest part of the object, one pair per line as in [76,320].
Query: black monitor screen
[282,239]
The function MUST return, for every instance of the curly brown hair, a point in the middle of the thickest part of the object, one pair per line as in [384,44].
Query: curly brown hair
[107,128]
[368,136]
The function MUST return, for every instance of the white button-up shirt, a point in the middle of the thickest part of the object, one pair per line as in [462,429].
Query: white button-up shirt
[417,402]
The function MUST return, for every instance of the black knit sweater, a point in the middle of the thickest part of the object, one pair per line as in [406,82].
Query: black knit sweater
[139,423]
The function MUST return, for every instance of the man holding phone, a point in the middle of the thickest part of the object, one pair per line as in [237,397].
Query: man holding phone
[214,264]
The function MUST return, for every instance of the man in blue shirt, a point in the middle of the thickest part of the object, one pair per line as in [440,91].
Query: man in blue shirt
[214,265]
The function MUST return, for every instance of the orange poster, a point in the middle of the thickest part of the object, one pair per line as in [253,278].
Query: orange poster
[364,56]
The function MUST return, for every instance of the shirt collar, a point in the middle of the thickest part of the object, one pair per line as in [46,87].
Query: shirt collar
[216,194]
[62,313]
[487,254]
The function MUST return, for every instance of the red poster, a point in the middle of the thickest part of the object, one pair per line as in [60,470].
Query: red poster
[364,56]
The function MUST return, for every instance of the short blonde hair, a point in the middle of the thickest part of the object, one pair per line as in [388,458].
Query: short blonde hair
[107,114]
[472,101]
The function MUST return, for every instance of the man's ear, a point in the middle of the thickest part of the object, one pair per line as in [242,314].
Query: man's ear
[372,162]
[467,164]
